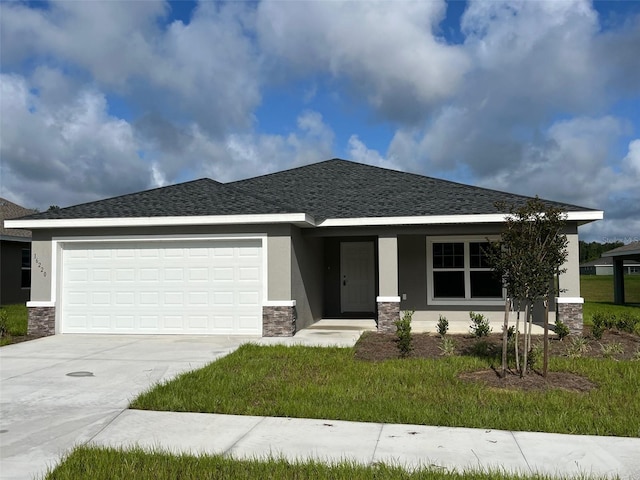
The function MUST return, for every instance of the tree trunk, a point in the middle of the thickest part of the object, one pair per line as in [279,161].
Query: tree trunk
[525,353]
[545,362]
[529,324]
[505,336]
[517,339]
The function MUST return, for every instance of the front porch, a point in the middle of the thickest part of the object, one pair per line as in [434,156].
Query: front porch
[458,323]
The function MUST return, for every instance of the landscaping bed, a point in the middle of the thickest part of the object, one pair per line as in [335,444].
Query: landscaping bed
[383,346]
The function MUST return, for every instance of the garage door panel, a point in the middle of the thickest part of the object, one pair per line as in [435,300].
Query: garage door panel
[181,287]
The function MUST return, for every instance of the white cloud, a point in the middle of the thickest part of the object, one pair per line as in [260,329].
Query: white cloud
[195,153]
[387,51]
[206,70]
[64,155]
[359,152]
[632,160]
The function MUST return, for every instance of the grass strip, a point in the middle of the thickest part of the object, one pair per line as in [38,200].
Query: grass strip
[109,463]
[328,383]
[16,321]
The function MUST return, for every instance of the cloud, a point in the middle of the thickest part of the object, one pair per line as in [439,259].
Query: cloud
[179,153]
[64,154]
[205,71]
[387,52]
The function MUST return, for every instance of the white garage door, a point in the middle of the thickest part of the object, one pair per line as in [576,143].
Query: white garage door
[185,287]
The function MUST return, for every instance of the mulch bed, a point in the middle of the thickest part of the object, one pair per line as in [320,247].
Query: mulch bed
[383,346]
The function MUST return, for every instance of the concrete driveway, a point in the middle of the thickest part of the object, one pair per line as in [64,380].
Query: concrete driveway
[44,411]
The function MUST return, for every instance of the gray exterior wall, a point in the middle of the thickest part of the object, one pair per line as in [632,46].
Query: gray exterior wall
[296,267]
[11,290]
[388,265]
[41,266]
[412,266]
[570,280]
[307,264]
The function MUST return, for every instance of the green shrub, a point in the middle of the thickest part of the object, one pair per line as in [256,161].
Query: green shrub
[627,322]
[4,318]
[577,347]
[482,348]
[561,329]
[599,325]
[448,347]
[480,326]
[403,332]
[609,350]
[443,325]
[535,355]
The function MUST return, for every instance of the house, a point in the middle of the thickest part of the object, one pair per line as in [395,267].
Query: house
[15,256]
[272,254]
[604,266]
[621,256]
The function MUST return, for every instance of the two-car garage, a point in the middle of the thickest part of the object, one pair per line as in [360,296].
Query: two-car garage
[200,286]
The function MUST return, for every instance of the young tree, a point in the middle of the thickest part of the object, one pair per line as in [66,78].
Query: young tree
[529,254]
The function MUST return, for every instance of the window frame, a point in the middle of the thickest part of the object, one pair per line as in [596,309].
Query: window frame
[25,268]
[467,269]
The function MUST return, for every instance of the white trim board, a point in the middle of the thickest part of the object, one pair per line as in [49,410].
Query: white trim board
[300,219]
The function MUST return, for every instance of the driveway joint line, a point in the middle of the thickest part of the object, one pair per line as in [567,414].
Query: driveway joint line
[521,451]
[105,426]
[228,450]
[375,447]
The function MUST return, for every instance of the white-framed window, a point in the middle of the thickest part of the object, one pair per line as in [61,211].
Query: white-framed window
[458,272]
[25,273]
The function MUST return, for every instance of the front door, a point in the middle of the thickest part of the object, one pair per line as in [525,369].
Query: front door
[357,277]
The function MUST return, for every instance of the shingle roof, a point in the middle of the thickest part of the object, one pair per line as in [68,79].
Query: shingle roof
[10,210]
[629,250]
[197,197]
[330,189]
[606,261]
[342,189]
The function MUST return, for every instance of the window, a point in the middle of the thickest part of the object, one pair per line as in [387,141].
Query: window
[25,278]
[458,271]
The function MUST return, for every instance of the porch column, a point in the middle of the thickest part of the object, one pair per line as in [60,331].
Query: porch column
[618,281]
[569,302]
[388,301]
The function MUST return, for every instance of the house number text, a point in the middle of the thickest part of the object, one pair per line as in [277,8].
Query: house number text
[38,265]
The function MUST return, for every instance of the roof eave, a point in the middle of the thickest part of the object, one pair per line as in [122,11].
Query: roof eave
[302,220]
[299,219]
[14,238]
[581,217]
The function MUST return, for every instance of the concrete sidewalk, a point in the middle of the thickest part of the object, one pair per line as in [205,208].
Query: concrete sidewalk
[369,443]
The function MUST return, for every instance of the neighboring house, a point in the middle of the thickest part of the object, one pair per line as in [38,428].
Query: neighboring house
[604,266]
[15,256]
[621,256]
[272,254]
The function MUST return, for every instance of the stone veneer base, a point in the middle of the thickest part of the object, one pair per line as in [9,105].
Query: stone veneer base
[388,314]
[41,321]
[571,315]
[278,321]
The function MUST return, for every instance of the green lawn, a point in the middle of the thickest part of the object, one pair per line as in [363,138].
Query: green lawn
[16,318]
[329,383]
[111,464]
[597,291]
[599,288]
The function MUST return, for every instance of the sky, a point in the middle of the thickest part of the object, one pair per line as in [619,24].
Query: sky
[103,98]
